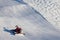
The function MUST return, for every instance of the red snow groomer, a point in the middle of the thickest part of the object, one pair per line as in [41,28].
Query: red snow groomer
[18,29]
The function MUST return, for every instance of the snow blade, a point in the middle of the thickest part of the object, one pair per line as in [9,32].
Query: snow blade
[20,34]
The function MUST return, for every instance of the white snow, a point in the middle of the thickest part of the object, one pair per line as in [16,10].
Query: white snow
[34,25]
[50,9]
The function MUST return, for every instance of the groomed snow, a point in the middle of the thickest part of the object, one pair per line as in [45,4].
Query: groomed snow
[34,25]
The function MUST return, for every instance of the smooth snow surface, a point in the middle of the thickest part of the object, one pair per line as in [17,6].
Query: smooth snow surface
[34,25]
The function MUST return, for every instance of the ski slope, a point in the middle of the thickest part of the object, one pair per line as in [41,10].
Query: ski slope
[50,9]
[32,22]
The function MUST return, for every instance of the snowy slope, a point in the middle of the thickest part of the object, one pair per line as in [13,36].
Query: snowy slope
[50,9]
[33,23]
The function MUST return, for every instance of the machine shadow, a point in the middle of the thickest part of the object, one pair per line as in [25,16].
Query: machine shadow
[12,31]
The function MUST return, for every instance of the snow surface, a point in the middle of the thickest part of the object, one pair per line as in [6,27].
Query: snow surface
[34,25]
[50,9]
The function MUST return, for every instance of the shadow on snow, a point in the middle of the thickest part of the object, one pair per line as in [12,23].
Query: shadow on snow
[12,31]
